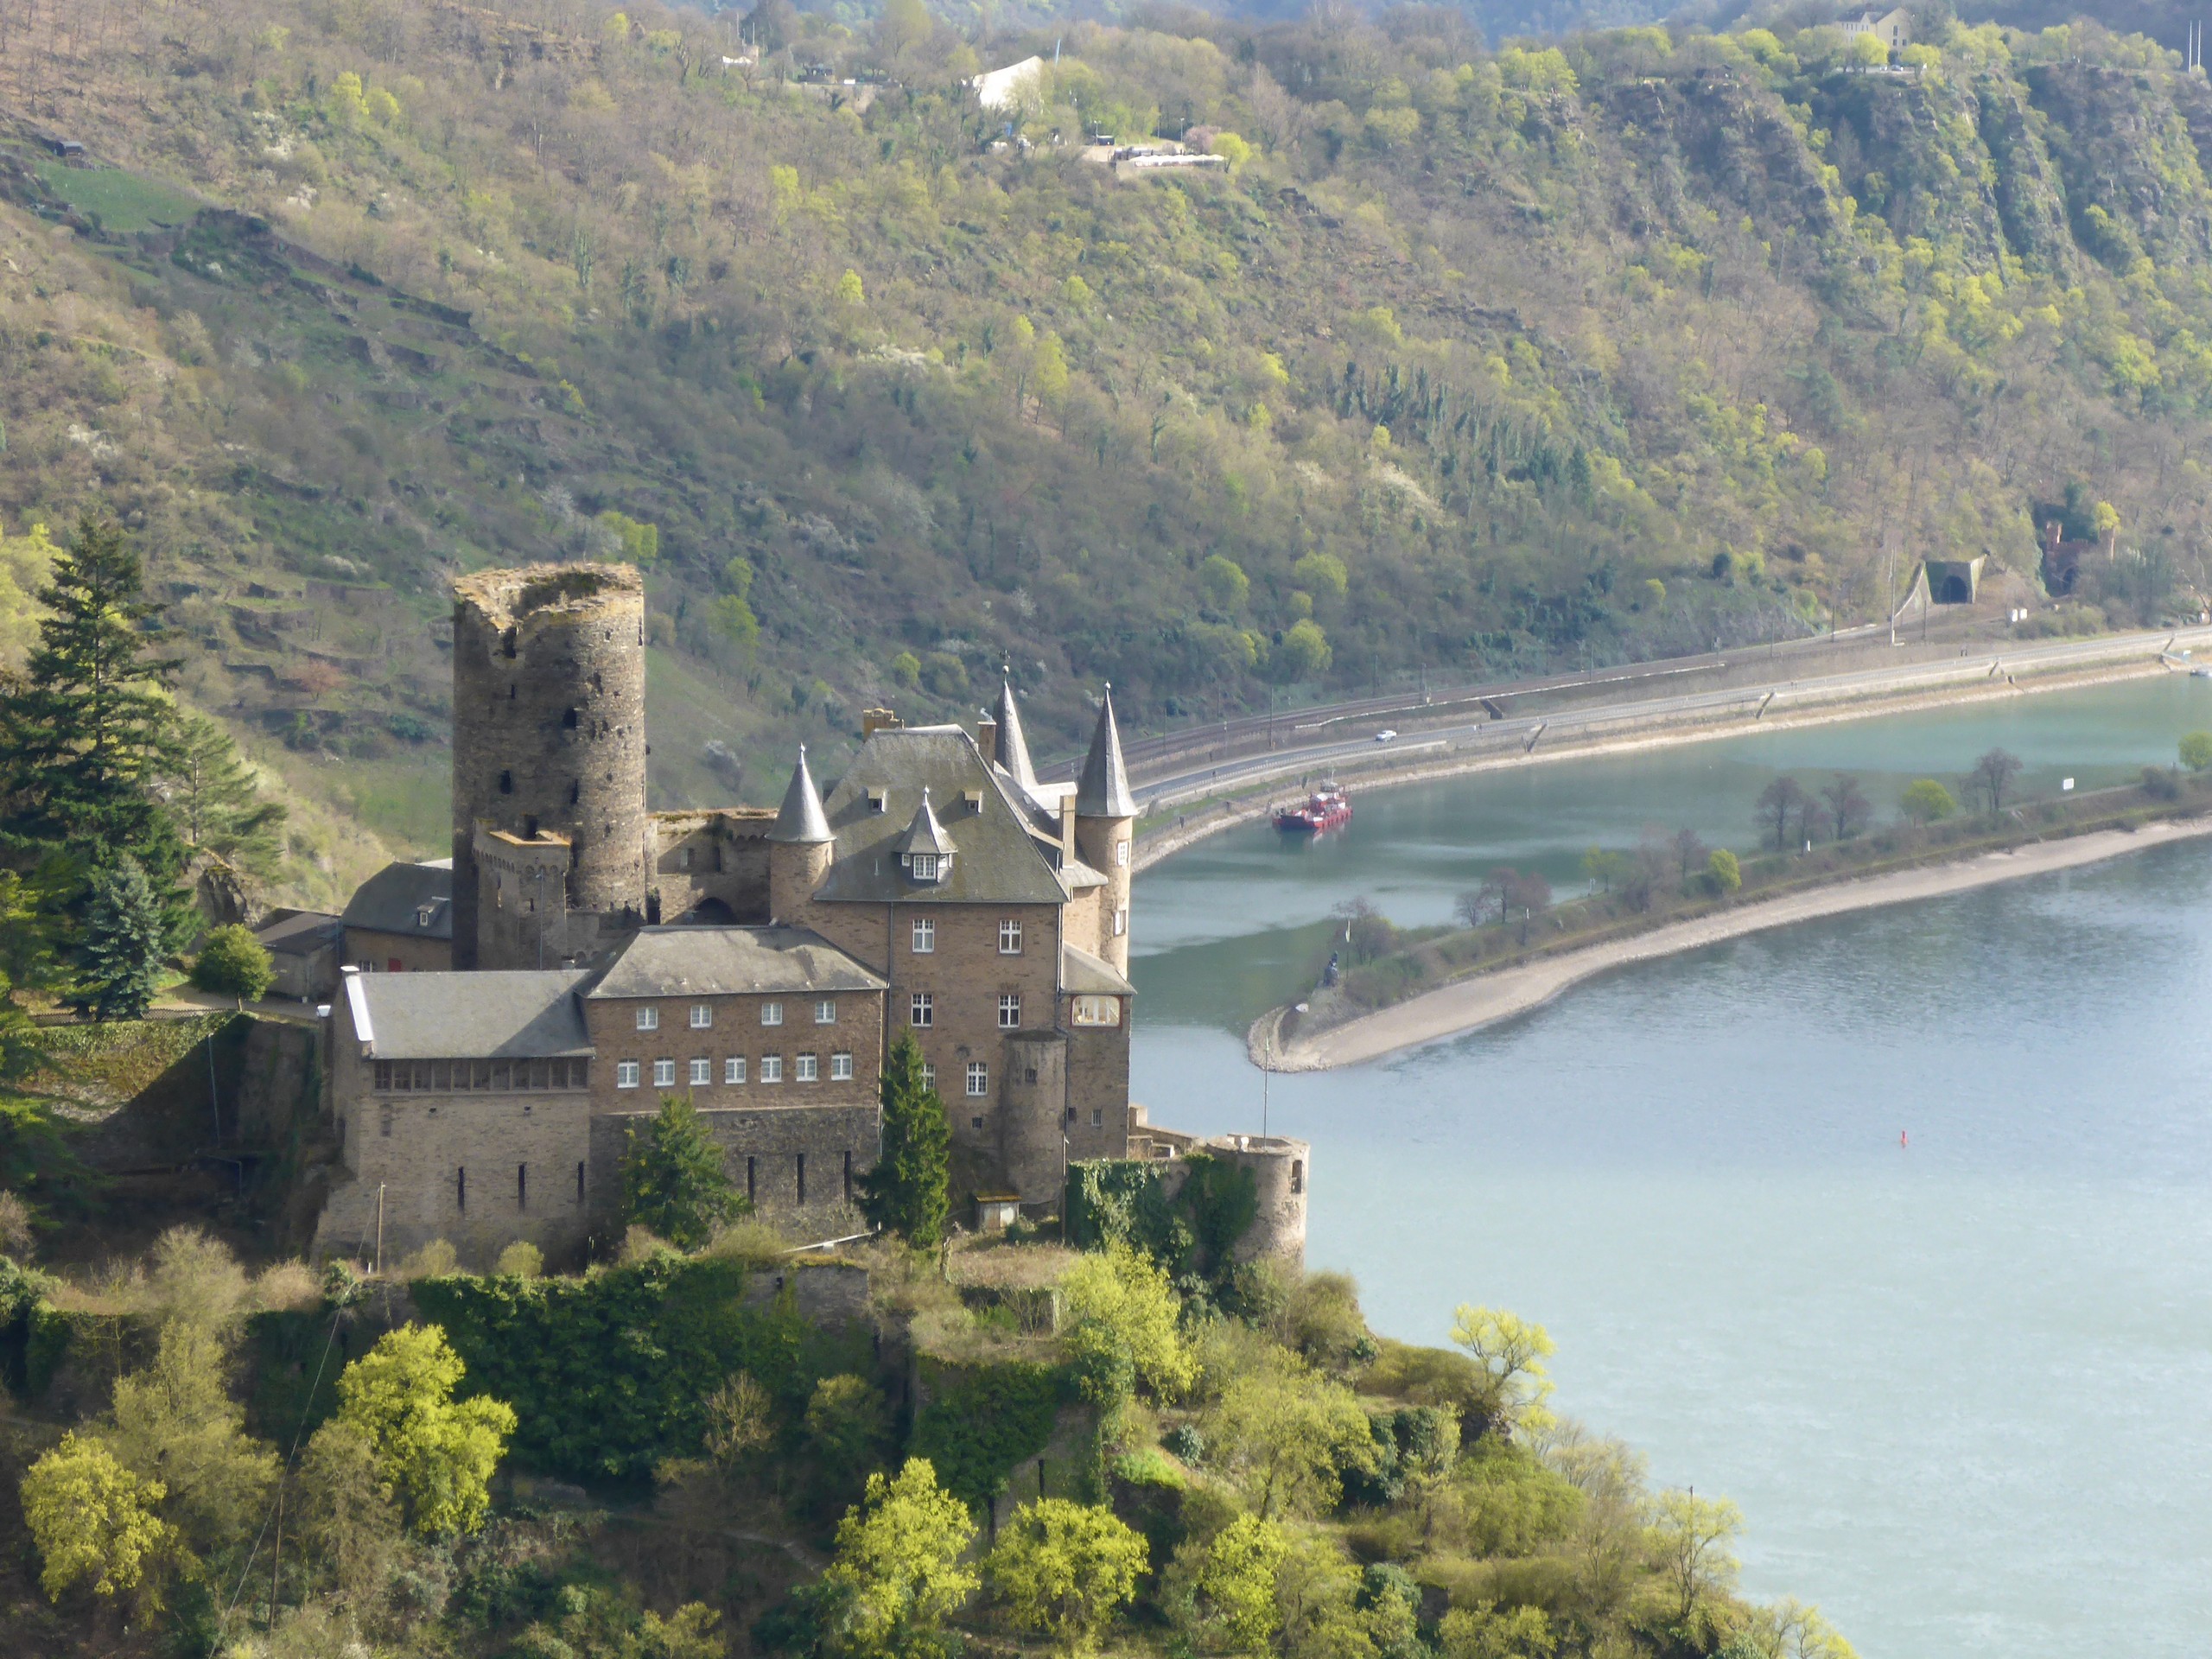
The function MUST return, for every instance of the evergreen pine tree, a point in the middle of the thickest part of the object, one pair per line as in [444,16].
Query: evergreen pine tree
[88,734]
[673,1182]
[126,935]
[218,802]
[906,1192]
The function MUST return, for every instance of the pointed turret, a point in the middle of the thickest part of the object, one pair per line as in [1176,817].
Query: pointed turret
[1012,746]
[801,822]
[1104,790]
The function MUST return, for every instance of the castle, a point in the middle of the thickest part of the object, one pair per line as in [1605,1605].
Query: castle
[760,961]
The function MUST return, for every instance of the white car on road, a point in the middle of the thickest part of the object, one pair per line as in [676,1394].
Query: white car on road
[1384,736]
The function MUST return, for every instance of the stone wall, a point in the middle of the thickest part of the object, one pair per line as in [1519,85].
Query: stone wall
[549,717]
[767,1152]
[718,857]
[373,952]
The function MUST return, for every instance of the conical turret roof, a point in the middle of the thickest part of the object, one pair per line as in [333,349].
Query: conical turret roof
[1104,790]
[925,834]
[1013,747]
[801,820]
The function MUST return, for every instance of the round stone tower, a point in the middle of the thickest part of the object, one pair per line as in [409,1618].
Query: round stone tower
[1032,1113]
[549,734]
[1279,1168]
[1105,819]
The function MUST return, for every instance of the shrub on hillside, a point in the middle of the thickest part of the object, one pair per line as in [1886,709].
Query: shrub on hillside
[232,962]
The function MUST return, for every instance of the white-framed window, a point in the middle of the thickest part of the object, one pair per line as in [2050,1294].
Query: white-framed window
[1098,1117]
[825,1011]
[805,1070]
[772,1013]
[625,1074]
[702,1073]
[1010,1012]
[1098,1011]
[978,1079]
[734,1069]
[919,1008]
[1120,920]
[1121,854]
[648,1018]
[772,1068]
[664,1074]
[1010,937]
[841,1067]
[701,1016]
[929,1076]
[924,935]
[924,866]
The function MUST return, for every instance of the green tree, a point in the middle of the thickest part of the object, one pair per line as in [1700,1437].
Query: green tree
[1122,1313]
[1926,801]
[347,1512]
[1221,1590]
[1723,871]
[1286,1437]
[673,1181]
[2196,751]
[218,802]
[1322,573]
[93,1519]
[89,731]
[847,1430]
[119,961]
[1602,867]
[232,962]
[1225,584]
[1513,1351]
[1689,1538]
[1484,1632]
[898,1572]
[176,1426]
[906,1192]
[436,1453]
[1302,653]
[1063,1570]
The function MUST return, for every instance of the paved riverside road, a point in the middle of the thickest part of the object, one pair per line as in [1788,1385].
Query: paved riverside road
[1314,743]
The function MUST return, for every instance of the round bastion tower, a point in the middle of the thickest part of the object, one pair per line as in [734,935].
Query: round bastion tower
[1105,820]
[549,746]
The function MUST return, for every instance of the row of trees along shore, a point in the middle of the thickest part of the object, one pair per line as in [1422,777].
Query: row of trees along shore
[304,1466]
[1805,833]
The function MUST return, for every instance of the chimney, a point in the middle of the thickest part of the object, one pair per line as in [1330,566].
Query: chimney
[987,738]
[878,720]
[1067,825]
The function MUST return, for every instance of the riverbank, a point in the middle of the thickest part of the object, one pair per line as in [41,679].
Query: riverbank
[1485,999]
[1418,761]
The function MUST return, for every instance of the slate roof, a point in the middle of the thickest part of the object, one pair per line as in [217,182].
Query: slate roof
[1103,792]
[686,961]
[1013,747]
[1085,974]
[799,821]
[301,934]
[469,1016]
[995,858]
[390,900]
[925,834]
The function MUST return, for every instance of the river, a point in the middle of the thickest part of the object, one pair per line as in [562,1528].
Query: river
[1959,1386]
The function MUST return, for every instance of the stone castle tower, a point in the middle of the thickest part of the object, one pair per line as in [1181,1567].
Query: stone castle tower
[1105,823]
[551,841]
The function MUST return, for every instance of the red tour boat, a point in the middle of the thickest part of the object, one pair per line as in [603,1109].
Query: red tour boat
[1327,808]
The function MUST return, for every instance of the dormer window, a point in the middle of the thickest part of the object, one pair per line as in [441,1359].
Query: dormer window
[424,914]
[973,800]
[923,866]
[878,800]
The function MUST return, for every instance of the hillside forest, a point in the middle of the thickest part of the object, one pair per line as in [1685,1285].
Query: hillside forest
[1469,361]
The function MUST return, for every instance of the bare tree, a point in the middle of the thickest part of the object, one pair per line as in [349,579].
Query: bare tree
[1779,804]
[1991,777]
[1690,852]
[1848,807]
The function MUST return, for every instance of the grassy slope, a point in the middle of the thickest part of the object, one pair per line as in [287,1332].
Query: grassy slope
[1526,356]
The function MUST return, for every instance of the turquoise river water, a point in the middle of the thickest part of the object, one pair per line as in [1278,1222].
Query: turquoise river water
[1961,1389]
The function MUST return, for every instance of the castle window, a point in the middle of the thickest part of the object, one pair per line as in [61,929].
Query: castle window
[848,1178]
[648,1018]
[530,828]
[701,1016]
[1009,1012]
[978,1079]
[506,783]
[383,1076]
[575,793]
[460,1189]
[1298,1174]
[825,1012]
[734,1069]
[580,1183]
[807,1071]
[975,1123]
[772,1013]
[924,936]
[684,859]
[702,1073]
[1030,1076]
[772,1068]
[924,866]
[664,1074]
[1120,920]
[920,1007]
[929,1077]
[1121,854]
[801,1159]
[625,1074]
[521,1186]
[1010,938]
[841,1067]
[752,1179]
[507,643]
[569,720]
[1097,1117]
[1098,1011]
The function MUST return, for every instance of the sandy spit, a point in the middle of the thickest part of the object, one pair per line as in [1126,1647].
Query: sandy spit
[1485,999]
